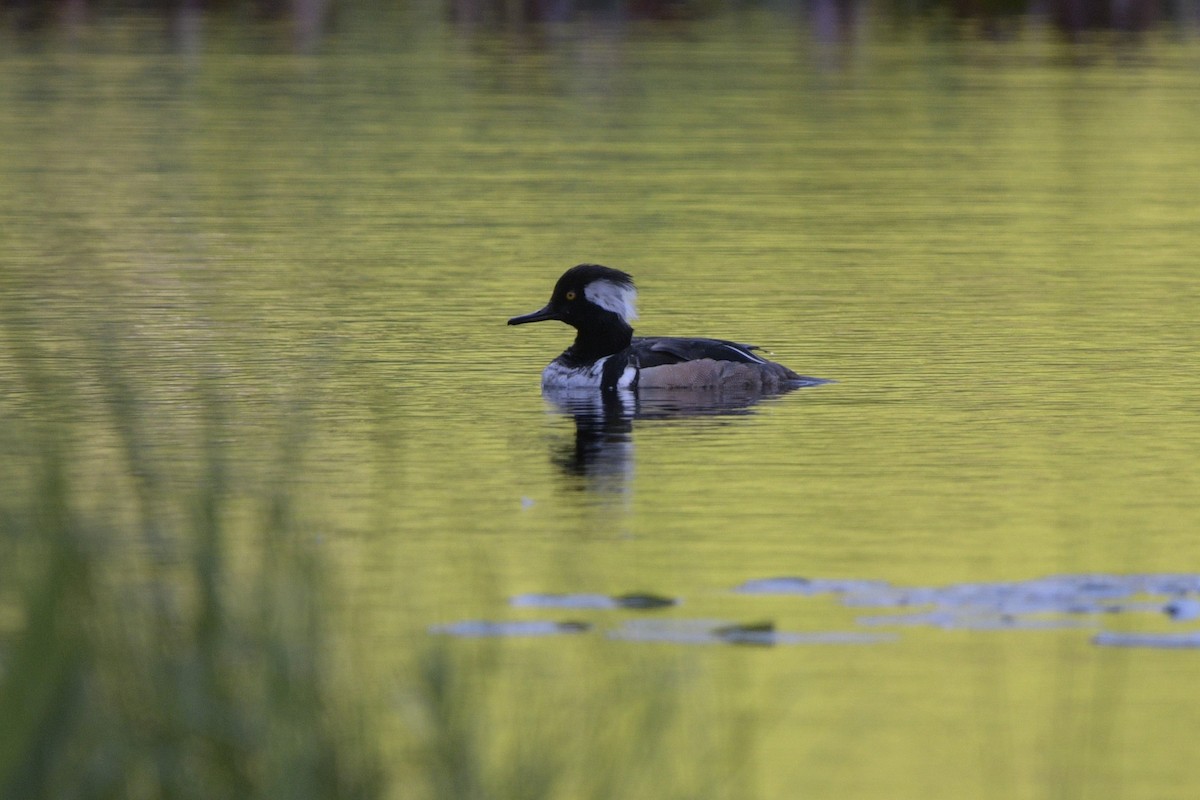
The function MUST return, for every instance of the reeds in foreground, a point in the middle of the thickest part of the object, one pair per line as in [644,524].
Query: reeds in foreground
[124,679]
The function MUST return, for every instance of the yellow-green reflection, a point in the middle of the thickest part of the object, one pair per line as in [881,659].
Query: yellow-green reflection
[989,245]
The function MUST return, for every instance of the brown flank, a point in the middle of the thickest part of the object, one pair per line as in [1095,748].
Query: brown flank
[709,373]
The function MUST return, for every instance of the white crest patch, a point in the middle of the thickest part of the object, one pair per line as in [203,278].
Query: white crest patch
[619,298]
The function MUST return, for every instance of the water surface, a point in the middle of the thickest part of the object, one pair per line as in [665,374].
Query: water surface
[989,246]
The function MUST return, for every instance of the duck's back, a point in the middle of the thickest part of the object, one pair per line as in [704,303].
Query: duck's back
[669,362]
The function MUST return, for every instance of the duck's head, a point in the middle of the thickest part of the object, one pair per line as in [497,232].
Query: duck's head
[589,296]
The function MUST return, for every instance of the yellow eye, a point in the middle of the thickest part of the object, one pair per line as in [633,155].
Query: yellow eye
[571,295]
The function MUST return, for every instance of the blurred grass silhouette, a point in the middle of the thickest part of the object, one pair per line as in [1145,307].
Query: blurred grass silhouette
[108,693]
[153,663]
[160,654]
[185,683]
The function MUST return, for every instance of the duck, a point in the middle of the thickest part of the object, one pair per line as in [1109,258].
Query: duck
[600,303]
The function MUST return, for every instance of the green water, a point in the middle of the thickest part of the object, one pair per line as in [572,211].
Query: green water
[307,261]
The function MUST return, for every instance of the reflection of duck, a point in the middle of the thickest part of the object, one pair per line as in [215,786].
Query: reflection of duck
[599,303]
[603,442]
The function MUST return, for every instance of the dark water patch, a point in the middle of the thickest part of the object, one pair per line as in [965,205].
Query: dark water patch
[1050,603]
[1053,602]
[1061,594]
[1070,594]
[1161,641]
[948,620]
[1183,609]
[762,633]
[481,628]
[639,601]
[701,631]
[810,586]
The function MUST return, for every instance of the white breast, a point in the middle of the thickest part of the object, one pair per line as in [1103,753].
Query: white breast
[560,376]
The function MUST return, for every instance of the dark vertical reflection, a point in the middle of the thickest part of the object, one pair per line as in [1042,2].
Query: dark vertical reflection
[602,448]
[834,24]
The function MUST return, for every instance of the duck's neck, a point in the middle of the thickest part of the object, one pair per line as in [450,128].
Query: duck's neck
[594,342]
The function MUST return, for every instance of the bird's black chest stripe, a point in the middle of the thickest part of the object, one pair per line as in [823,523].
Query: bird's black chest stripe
[614,368]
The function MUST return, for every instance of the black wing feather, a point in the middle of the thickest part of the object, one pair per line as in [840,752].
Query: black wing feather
[656,351]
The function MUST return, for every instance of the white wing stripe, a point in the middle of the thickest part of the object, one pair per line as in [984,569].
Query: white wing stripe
[745,353]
